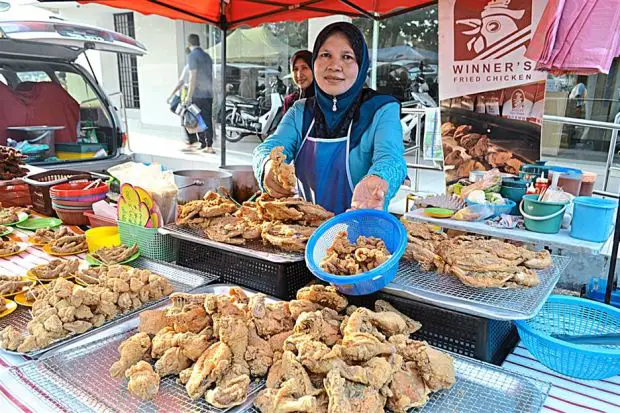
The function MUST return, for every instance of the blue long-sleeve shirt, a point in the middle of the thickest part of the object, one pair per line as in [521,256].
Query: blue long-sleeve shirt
[380,151]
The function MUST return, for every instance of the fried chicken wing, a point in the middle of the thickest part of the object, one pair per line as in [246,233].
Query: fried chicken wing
[143,381]
[131,351]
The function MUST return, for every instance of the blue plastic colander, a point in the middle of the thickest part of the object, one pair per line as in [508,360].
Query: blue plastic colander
[573,316]
[366,222]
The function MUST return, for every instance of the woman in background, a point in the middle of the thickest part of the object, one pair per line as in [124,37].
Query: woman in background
[301,69]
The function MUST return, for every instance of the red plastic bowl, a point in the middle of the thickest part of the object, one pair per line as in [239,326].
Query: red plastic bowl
[98,221]
[72,203]
[72,217]
[76,189]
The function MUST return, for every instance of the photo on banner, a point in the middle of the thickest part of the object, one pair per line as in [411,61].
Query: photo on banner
[491,98]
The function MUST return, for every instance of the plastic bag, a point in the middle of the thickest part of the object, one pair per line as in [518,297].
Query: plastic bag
[477,212]
[160,184]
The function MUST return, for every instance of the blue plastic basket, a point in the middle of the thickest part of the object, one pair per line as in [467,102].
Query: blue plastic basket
[366,222]
[573,316]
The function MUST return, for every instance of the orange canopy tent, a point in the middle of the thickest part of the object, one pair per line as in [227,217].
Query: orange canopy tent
[230,14]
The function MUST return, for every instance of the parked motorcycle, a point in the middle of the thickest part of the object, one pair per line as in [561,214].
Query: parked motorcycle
[246,116]
[419,94]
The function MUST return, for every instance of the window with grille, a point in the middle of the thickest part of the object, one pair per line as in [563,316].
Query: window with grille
[127,64]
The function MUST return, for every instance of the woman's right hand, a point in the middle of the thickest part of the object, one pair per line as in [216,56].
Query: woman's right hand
[271,183]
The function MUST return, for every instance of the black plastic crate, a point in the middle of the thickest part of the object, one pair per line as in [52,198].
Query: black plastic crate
[469,335]
[280,280]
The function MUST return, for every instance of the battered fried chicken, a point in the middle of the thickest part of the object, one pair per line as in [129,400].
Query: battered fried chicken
[271,318]
[258,354]
[287,237]
[283,172]
[8,247]
[12,287]
[346,396]
[132,350]
[56,269]
[172,362]
[297,307]
[211,365]
[407,388]
[269,401]
[143,381]
[344,258]
[412,325]
[10,338]
[322,325]
[230,390]
[44,236]
[326,296]
[115,255]
[69,244]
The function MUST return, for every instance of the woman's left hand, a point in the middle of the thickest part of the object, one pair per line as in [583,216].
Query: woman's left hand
[369,193]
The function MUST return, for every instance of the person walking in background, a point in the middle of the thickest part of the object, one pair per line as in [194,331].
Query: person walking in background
[177,96]
[200,89]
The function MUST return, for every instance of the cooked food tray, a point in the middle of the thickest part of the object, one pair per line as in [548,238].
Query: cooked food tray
[182,279]
[496,303]
[254,249]
[482,387]
[77,379]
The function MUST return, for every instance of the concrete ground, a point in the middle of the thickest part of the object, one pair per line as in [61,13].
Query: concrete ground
[165,145]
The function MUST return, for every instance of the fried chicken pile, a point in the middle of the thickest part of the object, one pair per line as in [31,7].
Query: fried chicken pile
[286,223]
[65,308]
[8,247]
[9,215]
[55,269]
[467,151]
[11,162]
[45,236]
[475,261]
[69,244]
[13,284]
[315,358]
[345,258]
[115,255]
[284,173]
[91,275]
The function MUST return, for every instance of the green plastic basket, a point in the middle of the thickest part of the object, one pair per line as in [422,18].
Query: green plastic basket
[152,244]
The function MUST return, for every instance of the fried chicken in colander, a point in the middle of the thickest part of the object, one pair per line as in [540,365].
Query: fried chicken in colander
[345,258]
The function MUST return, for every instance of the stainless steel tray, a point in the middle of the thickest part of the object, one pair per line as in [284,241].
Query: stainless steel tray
[482,387]
[182,279]
[495,303]
[255,249]
[77,379]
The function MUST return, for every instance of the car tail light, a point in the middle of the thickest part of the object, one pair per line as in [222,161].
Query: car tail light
[124,140]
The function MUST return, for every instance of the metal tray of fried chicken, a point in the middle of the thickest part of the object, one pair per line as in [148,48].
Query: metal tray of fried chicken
[447,291]
[303,216]
[77,378]
[182,280]
[480,387]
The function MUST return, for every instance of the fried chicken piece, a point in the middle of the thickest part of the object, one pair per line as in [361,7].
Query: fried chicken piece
[269,401]
[276,343]
[389,323]
[78,327]
[69,244]
[382,306]
[364,346]
[282,210]
[322,325]
[481,147]
[11,287]
[314,215]
[8,247]
[115,255]
[287,237]
[435,367]
[258,354]
[447,129]
[497,158]
[131,351]
[163,340]
[297,307]
[143,381]
[10,338]
[56,269]
[461,131]
[271,318]
[284,173]
[45,235]
[211,365]
[513,166]
[151,321]
[345,396]
[187,318]
[469,141]
[227,229]
[407,388]
[172,362]
[233,332]
[191,345]
[231,390]
[539,260]
[326,296]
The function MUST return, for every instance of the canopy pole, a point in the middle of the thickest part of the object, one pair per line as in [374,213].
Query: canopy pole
[223,105]
[613,259]
[375,47]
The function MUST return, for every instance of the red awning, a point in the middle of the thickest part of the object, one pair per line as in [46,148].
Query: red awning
[255,12]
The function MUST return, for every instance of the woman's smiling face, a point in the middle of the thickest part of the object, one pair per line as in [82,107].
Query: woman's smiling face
[302,74]
[335,67]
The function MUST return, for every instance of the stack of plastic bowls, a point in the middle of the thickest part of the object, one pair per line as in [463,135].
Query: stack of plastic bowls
[71,200]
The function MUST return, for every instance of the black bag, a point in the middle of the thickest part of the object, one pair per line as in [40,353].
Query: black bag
[176,101]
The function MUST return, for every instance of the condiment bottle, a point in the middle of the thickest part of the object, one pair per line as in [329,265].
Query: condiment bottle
[531,190]
[542,183]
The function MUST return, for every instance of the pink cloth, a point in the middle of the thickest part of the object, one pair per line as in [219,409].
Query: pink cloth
[577,36]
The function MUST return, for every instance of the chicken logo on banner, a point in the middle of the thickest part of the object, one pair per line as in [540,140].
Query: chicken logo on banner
[504,28]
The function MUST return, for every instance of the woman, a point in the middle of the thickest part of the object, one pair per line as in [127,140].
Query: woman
[301,69]
[346,141]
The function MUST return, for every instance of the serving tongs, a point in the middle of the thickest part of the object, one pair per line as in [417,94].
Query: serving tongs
[610,339]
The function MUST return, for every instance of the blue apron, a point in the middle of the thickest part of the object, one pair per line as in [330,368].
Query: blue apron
[322,169]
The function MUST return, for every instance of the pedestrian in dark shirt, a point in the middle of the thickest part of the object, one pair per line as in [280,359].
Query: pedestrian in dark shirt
[200,91]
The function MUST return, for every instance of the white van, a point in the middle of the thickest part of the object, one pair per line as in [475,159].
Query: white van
[49,99]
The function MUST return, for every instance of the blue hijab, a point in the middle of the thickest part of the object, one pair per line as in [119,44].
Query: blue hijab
[358,104]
